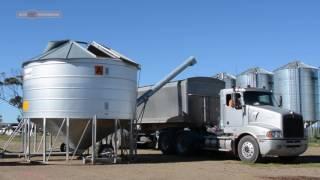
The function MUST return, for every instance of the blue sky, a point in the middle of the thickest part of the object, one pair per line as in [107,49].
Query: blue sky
[224,35]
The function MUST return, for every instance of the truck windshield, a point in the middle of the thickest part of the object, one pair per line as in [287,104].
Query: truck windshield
[258,98]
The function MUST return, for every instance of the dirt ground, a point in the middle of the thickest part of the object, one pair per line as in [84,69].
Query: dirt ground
[151,164]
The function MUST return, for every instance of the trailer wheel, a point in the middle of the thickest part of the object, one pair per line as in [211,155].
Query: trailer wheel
[166,142]
[248,149]
[63,147]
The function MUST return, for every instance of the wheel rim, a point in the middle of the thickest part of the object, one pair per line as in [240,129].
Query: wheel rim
[247,150]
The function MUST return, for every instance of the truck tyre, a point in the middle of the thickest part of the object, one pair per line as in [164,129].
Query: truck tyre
[166,142]
[63,147]
[184,143]
[248,149]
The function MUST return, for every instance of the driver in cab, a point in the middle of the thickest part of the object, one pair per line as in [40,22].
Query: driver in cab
[231,103]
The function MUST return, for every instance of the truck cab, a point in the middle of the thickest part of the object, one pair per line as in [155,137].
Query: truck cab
[258,126]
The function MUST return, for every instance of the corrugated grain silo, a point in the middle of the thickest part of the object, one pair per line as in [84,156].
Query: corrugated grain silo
[79,81]
[255,77]
[297,84]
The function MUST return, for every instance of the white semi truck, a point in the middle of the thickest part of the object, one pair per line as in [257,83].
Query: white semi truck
[199,114]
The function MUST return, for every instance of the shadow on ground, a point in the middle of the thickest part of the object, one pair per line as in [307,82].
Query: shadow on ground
[21,163]
[220,156]
[202,156]
[307,159]
[291,178]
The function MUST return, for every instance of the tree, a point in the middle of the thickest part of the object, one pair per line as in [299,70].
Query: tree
[11,89]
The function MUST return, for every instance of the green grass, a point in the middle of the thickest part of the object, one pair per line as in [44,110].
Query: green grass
[4,138]
[314,142]
[15,143]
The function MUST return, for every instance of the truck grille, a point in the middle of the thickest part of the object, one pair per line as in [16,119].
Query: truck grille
[293,126]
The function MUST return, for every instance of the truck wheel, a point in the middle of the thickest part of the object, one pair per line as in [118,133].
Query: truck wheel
[166,142]
[248,149]
[184,143]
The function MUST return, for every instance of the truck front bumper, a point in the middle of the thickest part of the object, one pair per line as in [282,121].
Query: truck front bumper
[282,147]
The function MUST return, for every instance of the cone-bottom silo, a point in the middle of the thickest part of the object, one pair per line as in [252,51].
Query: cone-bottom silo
[80,82]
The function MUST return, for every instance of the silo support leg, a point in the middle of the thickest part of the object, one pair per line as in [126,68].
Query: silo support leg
[67,139]
[25,137]
[131,140]
[44,158]
[35,138]
[115,140]
[122,139]
[28,139]
[22,136]
[50,142]
[94,138]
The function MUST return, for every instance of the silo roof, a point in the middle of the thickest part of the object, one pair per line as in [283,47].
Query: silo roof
[256,70]
[70,49]
[296,64]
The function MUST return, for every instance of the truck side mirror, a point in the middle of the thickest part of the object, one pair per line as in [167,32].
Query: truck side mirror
[280,101]
[235,100]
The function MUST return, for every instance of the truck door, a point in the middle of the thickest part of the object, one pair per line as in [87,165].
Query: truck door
[232,117]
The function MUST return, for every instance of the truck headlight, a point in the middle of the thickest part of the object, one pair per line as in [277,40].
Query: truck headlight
[274,134]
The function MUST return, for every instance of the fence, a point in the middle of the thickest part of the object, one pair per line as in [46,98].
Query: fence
[313,133]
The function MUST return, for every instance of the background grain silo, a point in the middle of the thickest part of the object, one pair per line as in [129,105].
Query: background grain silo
[255,77]
[229,79]
[297,84]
